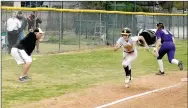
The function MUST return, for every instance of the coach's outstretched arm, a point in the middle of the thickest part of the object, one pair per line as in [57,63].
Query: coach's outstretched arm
[116,47]
[145,44]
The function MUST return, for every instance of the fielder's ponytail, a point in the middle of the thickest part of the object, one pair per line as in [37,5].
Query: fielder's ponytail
[160,25]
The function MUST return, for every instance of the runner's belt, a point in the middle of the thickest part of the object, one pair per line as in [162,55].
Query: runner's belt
[129,52]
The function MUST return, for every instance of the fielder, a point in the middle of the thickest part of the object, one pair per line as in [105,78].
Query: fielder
[128,45]
[166,39]
[21,52]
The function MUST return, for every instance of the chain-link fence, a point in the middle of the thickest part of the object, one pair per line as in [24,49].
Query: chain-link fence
[72,29]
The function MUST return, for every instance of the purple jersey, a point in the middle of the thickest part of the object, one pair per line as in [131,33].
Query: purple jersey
[164,35]
[167,44]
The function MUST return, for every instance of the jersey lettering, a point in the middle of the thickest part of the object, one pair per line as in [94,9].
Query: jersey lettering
[165,31]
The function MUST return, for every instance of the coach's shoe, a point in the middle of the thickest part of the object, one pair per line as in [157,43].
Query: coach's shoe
[23,79]
[160,73]
[180,65]
[26,77]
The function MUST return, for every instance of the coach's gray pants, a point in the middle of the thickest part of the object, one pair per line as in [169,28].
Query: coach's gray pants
[12,39]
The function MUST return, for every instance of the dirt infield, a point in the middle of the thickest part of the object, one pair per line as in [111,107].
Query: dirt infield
[175,97]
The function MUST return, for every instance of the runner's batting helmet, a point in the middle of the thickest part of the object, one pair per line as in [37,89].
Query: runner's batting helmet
[126,31]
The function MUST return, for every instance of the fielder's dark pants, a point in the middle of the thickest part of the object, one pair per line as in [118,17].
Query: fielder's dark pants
[169,48]
[12,39]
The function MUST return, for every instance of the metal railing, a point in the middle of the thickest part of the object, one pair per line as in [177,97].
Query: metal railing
[74,29]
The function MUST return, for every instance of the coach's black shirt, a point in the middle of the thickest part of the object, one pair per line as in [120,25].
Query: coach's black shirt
[27,43]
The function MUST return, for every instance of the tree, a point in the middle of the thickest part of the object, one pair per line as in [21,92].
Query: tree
[98,5]
[167,5]
[7,3]
[179,5]
[170,4]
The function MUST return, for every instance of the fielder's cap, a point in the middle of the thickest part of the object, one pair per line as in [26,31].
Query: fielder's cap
[126,31]
[38,30]
[160,23]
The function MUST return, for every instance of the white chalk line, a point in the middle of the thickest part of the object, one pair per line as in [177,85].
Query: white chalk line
[138,95]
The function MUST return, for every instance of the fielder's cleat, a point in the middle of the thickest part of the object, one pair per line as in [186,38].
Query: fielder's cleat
[160,73]
[180,65]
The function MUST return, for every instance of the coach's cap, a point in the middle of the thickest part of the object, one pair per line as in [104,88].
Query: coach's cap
[19,12]
[38,30]
[160,23]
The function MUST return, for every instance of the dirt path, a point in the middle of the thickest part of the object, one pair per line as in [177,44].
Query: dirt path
[169,98]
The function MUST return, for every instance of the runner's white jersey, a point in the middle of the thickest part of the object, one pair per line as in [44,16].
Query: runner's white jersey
[131,41]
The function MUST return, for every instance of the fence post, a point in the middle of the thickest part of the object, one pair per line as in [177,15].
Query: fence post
[106,24]
[100,27]
[116,27]
[183,26]
[144,22]
[80,30]
[178,26]
[113,32]
[170,21]
[153,15]
[132,24]
[86,29]
[60,32]
[6,38]
[183,18]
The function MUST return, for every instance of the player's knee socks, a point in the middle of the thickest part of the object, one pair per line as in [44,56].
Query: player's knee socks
[127,73]
[130,73]
[160,63]
[174,61]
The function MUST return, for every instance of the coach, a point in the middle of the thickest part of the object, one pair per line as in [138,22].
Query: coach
[21,52]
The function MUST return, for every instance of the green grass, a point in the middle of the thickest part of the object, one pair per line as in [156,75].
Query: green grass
[55,75]
[69,43]
[46,48]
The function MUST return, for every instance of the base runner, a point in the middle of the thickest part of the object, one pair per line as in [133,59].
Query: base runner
[128,45]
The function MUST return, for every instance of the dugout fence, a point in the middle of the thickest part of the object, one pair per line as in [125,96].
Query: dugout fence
[75,29]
